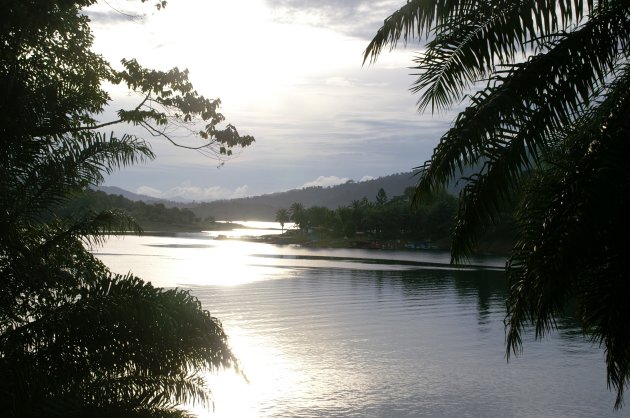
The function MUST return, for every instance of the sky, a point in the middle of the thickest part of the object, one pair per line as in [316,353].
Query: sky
[288,72]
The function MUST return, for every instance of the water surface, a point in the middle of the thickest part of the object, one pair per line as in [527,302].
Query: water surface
[368,333]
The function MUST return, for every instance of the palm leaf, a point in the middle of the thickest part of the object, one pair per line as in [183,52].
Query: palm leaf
[549,133]
[572,252]
[131,343]
[420,18]
[507,103]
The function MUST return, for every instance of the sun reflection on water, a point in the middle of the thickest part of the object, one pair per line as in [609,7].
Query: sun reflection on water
[281,379]
[229,265]
[269,372]
[187,261]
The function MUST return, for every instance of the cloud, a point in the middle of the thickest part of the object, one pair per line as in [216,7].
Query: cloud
[112,17]
[188,192]
[340,82]
[149,191]
[325,181]
[366,178]
[358,18]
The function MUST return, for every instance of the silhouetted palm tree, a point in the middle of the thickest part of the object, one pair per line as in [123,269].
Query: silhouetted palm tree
[76,339]
[282,217]
[298,215]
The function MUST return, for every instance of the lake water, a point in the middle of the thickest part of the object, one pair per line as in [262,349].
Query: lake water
[360,333]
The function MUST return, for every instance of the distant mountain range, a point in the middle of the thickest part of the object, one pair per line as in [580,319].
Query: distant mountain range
[265,207]
[128,195]
[117,191]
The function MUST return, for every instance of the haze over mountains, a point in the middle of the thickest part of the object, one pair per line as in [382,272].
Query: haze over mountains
[135,196]
[265,207]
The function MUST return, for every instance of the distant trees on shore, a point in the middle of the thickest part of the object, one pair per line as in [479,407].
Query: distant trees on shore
[395,218]
[282,217]
[430,222]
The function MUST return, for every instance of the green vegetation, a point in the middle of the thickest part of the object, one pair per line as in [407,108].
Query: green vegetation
[547,125]
[77,340]
[384,223]
[389,224]
[149,216]
[298,216]
[282,217]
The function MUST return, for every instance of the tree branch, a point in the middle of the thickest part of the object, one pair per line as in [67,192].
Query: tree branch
[155,132]
[42,131]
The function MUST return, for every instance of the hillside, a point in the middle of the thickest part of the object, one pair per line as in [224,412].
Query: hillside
[265,207]
[151,216]
[117,191]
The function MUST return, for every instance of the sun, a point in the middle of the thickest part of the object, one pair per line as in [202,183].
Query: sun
[234,50]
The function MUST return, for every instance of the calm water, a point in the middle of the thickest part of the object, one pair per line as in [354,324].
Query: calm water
[368,333]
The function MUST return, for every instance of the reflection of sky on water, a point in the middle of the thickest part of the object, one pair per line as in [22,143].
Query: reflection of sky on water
[185,261]
[205,261]
[349,332]
[252,229]
[199,259]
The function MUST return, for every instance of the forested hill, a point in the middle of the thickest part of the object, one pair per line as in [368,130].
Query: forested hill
[151,216]
[265,207]
[117,191]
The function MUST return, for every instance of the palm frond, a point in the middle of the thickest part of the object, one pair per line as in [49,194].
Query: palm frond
[580,60]
[489,192]
[129,342]
[92,228]
[420,18]
[413,19]
[573,252]
[549,133]
[52,169]
[470,47]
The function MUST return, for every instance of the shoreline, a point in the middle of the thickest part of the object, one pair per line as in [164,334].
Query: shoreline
[367,243]
[364,242]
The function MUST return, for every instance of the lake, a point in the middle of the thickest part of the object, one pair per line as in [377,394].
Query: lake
[367,333]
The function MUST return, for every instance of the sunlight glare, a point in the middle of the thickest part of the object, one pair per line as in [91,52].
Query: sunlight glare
[236,50]
[189,262]
[268,370]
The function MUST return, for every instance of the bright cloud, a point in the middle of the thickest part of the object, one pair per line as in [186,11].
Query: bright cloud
[367,178]
[149,191]
[325,181]
[358,18]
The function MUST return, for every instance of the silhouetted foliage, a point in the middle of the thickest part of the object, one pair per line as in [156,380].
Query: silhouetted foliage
[381,197]
[429,222]
[282,217]
[547,126]
[149,216]
[76,339]
[298,216]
